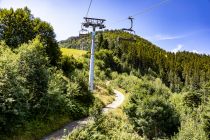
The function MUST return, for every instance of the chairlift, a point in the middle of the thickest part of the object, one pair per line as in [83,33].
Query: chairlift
[83,32]
[130,30]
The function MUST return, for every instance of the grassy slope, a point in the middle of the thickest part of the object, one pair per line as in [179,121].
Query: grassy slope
[73,52]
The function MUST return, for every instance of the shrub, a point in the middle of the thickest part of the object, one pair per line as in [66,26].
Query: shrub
[84,96]
[96,109]
[191,129]
[13,106]
[192,99]
[106,127]
[63,95]
[153,117]
[69,64]
[33,68]
[107,61]
[206,121]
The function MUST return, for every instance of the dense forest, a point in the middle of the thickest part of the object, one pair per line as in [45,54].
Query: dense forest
[167,94]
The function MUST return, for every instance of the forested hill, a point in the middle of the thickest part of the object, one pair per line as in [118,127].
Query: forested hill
[183,70]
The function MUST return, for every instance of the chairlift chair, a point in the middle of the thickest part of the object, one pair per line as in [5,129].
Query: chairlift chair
[130,30]
[83,32]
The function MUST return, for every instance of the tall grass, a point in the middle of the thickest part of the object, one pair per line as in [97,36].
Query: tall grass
[73,52]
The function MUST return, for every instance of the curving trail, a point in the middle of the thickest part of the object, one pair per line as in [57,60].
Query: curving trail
[119,98]
[57,135]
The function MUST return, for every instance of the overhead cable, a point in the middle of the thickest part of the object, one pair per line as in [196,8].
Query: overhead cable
[89,8]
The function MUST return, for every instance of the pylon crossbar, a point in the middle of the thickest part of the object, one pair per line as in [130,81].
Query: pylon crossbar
[94,22]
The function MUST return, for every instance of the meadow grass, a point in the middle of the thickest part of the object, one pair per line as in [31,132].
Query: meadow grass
[73,52]
[103,94]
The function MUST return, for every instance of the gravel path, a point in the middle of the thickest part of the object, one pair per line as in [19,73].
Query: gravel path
[57,135]
[119,98]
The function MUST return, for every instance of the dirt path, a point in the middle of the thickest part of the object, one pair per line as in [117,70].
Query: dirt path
[57,135]
[119,98]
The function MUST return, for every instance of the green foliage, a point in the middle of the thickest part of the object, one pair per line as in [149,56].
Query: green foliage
[19,26]
[106,127]
[206,119]
[142,87]
[194,120]
[69,64]
[83,43]
[148,108]
[32,67]
[32,90]
[177,71]
[96,108]
[24,81]
[13,107]
[36,128]
[190,130]
[61,96]
[192,99]
[153,117]
[84,95]
[100,41]
[12,29]
[106,61]
[105,44]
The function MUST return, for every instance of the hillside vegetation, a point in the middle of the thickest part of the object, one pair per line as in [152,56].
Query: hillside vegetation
[183,70]
[41,90]
[169,92]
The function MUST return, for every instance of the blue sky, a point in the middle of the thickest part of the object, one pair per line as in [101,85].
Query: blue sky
[173,25]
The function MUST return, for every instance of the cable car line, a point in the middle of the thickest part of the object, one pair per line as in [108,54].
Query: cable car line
[88,8]
[150,8]
[145,10]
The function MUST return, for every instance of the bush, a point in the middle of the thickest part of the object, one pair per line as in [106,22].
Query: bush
[153,117]
[206,120]
[84,96]
[191,129]
[13,106]
[192,99]
[107,61]
[96,109]
[33,68]
[194,119]
[30,89]
[106,127]
[69,64]
[63,96]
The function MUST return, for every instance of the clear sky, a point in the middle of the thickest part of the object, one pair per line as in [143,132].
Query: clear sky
[172,25]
